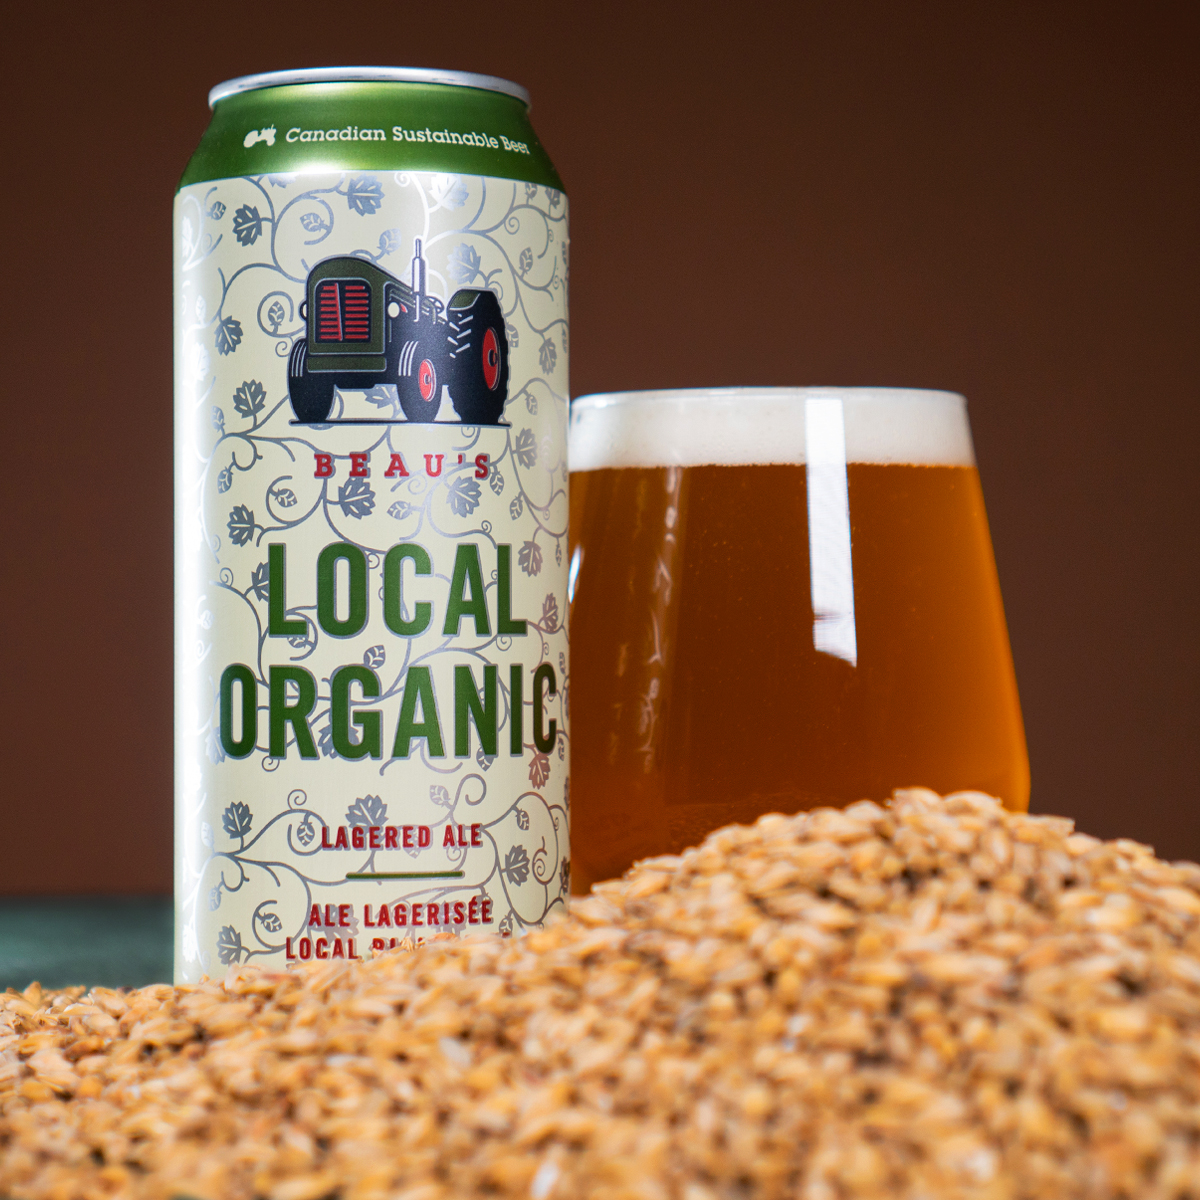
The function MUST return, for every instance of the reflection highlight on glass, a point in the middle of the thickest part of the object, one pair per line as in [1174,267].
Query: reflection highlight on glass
[831,569]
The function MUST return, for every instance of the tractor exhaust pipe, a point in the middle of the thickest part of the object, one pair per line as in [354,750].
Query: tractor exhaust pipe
[418,276]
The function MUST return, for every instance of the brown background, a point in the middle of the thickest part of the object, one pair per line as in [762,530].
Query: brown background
[997,199]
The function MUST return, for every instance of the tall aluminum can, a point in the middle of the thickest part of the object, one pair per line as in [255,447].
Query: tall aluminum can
[370,518]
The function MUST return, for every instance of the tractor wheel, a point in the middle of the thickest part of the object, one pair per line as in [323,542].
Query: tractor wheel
[311,395]
[419,381]
[478,357]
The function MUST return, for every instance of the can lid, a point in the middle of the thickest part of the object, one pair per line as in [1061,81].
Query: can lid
[251,83]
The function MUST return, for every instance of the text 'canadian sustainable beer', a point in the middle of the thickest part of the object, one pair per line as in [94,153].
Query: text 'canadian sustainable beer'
[371,518]
[780,598]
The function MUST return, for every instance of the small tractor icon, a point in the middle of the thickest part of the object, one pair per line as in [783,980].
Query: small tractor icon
[366,328]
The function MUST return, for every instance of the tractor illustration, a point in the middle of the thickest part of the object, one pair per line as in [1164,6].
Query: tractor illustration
[365,327]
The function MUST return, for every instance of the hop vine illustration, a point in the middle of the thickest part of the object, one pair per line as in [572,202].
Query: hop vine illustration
[516,864]
[539,770]
[250,399]
[237,819]
[356,498]
[367,811]
[463,496]
[364,195]
[228,335]
[247,225]
[241,525]
[246,281]
[229,945]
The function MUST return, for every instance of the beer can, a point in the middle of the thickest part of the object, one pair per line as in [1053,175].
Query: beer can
[370,519]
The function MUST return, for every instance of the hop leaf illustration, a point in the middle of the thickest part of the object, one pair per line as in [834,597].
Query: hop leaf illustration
[496,481]
[229,945]
[550,613]
[364,195]
[381,396]
[276,316]
[389,242]
[225,479]
[530,558]
[525,449]
[516,865]
[206,834]
[271,922]
[484,760]
[555,197]
[213,747]
[531,403]
[525,262]
[463,264]
[517,507]
[260,581]
[539,770]
[374,657]
[558,554]
[356,498]
[522,819]
[547,356]
[216,210]
[448,191]
[325,741]
[565,872]
[250,399]
[237,819]
[196,361]
[241,525]
[513,335]
[367,811]
[218,419]
[247,225]
[463,495]
[401,509]
[214,898]
[279,181]
[440,795]
[227,335]
[530,191]
[284,497]
[506,926]
[306,831]
[312,222]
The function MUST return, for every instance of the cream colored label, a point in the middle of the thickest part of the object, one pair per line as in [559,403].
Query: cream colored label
[371,518]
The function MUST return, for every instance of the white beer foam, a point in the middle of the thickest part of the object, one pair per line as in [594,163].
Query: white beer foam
[744,426]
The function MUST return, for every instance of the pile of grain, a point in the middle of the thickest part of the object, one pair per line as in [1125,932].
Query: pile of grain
[934,999]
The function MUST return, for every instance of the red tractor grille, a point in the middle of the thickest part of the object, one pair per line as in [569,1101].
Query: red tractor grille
[343,311]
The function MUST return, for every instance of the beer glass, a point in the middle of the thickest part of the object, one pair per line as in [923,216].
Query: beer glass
[779,598]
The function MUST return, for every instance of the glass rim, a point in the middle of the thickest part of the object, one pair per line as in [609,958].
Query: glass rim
[759,426]
[754,394]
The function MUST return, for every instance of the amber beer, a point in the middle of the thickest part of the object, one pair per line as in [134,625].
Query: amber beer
[779,598]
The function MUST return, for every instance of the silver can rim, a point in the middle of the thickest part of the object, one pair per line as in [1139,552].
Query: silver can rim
[269,79]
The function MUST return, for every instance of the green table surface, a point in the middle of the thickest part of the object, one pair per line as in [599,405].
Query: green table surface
[99,941]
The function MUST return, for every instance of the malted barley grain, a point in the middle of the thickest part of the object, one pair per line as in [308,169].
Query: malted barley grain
[937,998]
